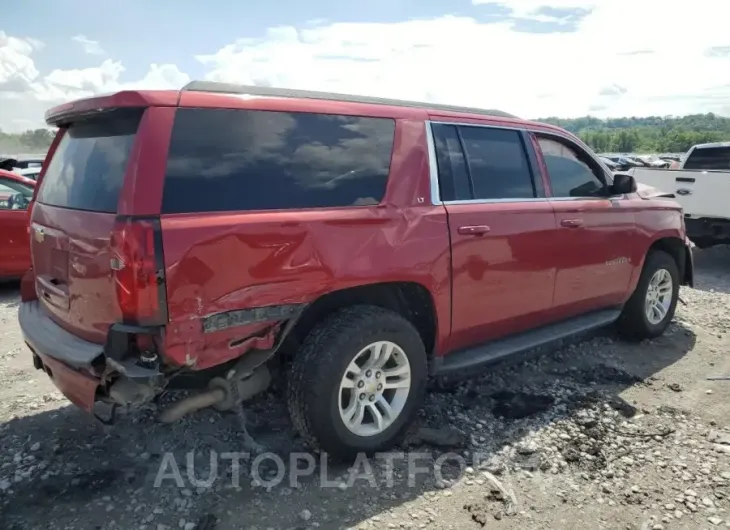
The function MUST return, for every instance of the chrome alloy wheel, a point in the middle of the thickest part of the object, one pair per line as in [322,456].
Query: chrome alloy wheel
[658,296]
[374,388]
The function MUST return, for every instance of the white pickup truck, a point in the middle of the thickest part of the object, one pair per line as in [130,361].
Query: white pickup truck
[701,185]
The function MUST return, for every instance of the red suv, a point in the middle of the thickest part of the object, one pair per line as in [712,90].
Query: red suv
[358,245]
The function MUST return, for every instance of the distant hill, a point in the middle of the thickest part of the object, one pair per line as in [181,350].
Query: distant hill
[653,134]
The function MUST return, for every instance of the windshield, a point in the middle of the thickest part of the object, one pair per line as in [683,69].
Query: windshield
[12,187]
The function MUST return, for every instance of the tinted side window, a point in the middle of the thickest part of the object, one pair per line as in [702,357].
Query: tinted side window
[709,158]
[569,175]
[453,176]
[497,163]
[232,160]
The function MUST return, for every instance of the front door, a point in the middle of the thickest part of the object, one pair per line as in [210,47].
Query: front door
[595,237]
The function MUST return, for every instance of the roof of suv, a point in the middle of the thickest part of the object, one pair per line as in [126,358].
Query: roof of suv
[228,88]
[311,101]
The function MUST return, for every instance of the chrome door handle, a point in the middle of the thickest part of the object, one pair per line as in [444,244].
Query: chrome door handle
[571,223]
[478,230]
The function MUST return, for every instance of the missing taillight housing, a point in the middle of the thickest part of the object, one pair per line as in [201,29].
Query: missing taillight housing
[138,270]
[29,215]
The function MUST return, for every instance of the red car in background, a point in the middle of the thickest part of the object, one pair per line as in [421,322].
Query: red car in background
[16,192]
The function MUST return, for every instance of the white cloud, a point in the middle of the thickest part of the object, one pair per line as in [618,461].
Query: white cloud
[25,94]
[92,47]
[461,61]
[16,67]
[625,57]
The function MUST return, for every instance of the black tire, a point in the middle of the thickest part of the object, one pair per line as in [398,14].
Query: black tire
[633,323]
[319,365]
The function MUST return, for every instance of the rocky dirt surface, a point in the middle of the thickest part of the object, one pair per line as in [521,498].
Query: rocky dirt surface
[597,434]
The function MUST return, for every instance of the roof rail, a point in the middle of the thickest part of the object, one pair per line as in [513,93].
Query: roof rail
[231,88]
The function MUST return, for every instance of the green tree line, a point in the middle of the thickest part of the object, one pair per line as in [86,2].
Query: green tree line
[652,134]
[30,142]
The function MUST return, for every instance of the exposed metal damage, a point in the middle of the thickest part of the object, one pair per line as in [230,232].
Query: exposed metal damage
[243,317]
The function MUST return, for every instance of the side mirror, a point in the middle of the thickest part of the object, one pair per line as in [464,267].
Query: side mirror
[623,183]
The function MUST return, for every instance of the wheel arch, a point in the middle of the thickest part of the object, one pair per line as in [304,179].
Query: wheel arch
[678,249]
[411,300]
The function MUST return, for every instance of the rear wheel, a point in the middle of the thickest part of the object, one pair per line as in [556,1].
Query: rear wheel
[357,381]
[651,308]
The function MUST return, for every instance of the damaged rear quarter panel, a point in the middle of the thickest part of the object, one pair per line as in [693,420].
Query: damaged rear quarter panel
[220,262]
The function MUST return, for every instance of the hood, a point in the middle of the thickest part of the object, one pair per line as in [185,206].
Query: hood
[649,192]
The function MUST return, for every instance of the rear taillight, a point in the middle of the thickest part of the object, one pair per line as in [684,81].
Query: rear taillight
[30,213]
[138,270]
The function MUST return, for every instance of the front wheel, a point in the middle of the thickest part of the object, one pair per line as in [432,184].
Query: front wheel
[357,381]
[651,308]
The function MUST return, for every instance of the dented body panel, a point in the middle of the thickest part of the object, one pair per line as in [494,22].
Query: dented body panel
[294,257]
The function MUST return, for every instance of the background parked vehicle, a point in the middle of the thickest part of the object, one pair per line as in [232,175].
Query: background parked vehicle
[623,163]
[16,193]
[701,184]
[25,161]
[31,172]
[613,166]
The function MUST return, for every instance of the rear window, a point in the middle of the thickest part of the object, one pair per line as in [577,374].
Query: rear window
[233,160]
[87,168]
[709,158]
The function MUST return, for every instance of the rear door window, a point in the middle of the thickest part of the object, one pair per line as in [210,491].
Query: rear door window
[709,158]
[241,160]
[497,163]
[88,166]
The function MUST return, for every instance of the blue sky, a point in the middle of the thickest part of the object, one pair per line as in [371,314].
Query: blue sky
[534,57]
[168,31]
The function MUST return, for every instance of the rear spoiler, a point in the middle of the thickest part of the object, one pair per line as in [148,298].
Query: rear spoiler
[83,108]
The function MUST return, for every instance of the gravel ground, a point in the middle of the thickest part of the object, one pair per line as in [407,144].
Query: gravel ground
[597,434]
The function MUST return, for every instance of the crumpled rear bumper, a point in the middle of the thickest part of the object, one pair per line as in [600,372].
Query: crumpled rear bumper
[78,387]
[67,359]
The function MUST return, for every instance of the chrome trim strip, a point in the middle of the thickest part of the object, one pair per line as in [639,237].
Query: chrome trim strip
[556,134]
[432,166]
[496,201]
[606,198]
[482,125]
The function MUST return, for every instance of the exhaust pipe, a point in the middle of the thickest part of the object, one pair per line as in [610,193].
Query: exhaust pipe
[221,394]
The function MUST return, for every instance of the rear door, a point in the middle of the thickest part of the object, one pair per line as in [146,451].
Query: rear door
[595,242]
[14,246]
[73,218]
[501,227]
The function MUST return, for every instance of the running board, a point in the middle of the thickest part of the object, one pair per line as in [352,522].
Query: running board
[500,349]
